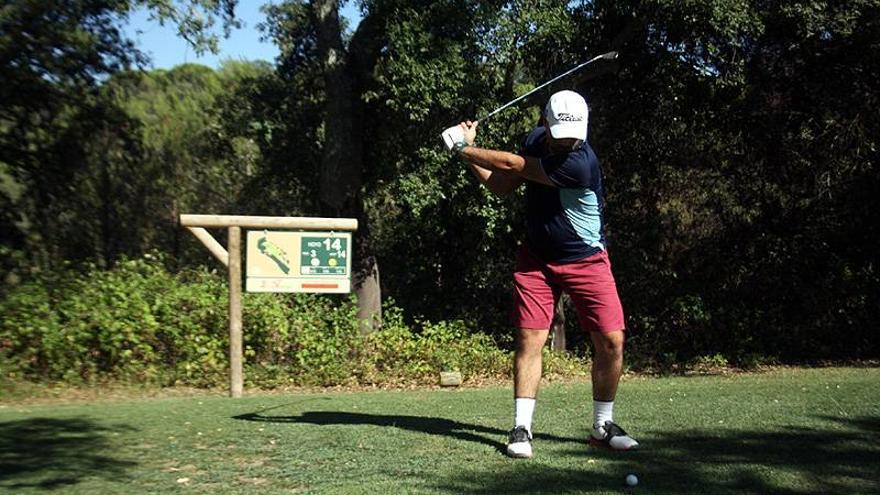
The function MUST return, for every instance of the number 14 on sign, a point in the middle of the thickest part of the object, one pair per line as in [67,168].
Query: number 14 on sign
[335,244]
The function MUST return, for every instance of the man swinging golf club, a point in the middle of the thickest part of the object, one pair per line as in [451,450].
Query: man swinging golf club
[564,251]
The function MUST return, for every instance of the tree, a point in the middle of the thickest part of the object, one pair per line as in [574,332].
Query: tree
[311,41]
[53,57]
[737,142]
[188,162]
[407,68]
[730,125]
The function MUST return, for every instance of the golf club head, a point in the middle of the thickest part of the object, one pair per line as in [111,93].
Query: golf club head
[452,135]
[612,55]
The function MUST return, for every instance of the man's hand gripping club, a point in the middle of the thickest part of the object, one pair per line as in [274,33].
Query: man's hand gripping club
[457,137]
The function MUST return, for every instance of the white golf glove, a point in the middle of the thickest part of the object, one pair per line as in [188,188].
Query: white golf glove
[453,138]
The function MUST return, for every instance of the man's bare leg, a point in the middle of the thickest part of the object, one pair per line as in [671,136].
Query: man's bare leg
[526,380]
[527,362]
[607,364]
[607,367]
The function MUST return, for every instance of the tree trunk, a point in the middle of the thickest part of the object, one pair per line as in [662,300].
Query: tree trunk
[342,164]
[557,328]
[369,294]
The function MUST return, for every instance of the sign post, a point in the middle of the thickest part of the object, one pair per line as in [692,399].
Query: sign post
[316,260]
[236,373]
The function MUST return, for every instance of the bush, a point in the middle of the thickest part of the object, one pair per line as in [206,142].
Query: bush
[397,353]
[135,322]
[138,322]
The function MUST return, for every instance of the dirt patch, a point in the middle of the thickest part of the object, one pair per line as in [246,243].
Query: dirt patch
[38,394]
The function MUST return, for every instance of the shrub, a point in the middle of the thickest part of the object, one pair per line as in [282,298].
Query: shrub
[138,322]
[396,352]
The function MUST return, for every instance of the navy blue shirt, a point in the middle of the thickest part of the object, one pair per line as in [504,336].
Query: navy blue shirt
[564,223]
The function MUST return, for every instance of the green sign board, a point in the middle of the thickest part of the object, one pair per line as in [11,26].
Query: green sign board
[323,255]
[279,261]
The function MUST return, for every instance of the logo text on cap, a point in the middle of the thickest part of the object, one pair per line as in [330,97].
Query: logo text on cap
[569,117]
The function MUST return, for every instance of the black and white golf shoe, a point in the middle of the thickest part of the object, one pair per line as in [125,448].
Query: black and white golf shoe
[611,436]
[519,443]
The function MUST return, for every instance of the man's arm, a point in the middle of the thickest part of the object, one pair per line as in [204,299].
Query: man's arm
[499,162]
[500,183]
[523,167]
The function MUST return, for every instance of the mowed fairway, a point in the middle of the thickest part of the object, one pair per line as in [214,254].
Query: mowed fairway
[789,431]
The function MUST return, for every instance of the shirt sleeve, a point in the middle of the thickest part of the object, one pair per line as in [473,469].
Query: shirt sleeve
[530,142]
[568,170]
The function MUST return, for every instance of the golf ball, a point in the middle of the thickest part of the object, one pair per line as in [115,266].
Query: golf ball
[632,480]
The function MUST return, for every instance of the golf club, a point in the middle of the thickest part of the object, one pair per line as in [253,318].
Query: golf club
[454,133]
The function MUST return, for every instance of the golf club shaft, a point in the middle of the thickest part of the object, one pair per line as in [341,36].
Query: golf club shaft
[608,56]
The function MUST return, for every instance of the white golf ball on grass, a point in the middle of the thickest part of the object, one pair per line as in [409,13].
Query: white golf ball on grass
[632,480]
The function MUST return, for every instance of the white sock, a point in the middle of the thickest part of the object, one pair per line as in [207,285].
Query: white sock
[602,411]
[524,408]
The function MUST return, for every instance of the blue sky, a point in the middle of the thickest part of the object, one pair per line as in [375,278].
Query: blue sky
[167,50]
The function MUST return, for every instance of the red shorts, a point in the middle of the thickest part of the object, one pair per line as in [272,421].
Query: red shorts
[589,283]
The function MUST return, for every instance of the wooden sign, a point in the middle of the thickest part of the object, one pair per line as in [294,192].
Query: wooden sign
[282,261]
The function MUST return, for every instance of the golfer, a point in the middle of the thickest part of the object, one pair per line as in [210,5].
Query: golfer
[564,251]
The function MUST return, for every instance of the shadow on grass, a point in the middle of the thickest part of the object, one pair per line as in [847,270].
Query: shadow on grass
[431,426]
[57,453]
[786,461]
[841,457]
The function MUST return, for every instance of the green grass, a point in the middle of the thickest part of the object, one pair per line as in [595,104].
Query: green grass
[791,431]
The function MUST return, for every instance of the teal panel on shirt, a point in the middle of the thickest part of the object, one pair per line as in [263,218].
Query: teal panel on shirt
[581,208]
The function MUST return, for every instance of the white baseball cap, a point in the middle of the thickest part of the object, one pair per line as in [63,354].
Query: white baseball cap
[567,115]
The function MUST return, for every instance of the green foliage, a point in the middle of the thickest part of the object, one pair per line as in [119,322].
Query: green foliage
[134,322]
[735,194]
[195,19]
[740,169]
[141,323]
[78,163]
[442,346]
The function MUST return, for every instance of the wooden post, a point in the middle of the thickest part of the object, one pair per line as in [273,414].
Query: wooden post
[213,246]
[236,376]
[305,223]
[232,259]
